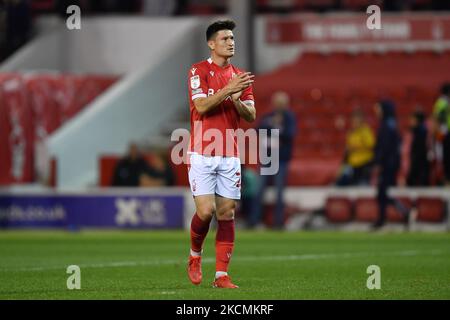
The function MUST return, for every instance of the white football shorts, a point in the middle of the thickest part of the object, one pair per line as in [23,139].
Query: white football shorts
[215,175]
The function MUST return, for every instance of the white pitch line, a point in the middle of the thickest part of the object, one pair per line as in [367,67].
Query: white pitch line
[239,259]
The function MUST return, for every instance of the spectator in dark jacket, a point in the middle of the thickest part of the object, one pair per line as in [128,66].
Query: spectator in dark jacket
[134,170]
[159,173]
[283,119]
[131,169]
[419,170]
[387,160]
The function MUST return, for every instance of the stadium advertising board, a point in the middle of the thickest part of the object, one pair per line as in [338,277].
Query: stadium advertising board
[92,211]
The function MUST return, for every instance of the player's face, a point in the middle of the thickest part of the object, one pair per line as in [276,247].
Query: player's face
[223,43]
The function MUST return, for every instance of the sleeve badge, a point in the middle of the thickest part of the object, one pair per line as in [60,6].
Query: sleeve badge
[195,82]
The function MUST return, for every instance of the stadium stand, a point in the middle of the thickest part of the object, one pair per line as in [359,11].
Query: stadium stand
[430,209]
[34,105]
[357,211]
[324,97]
[338,209]
[393,215]
[325,88]
[366,209]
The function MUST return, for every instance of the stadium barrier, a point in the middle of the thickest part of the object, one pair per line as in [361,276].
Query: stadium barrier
[173,208]
[106,208]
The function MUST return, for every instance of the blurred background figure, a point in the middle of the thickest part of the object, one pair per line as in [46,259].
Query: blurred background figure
[387,160]
[131,169]
[419,170]
[441,114]
[159,173]
[359,153]
[283,119]
[249,189]
[137,170]
[18,24]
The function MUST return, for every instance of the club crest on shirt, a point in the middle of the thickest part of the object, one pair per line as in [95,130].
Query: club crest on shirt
[211,73]
[195,82]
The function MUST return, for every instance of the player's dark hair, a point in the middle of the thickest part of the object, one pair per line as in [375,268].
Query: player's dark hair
[217,26]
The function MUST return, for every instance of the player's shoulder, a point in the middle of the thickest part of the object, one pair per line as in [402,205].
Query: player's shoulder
[199,66]
[237,69]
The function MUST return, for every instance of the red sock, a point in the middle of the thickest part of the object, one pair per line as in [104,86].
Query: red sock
[199,230]
[224,244]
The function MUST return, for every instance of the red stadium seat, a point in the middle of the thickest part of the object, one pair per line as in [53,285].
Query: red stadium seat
[106,168]
[338,209]
[430,209]
[53,176]
[269,213]
[312,172]
[393,215]
[366,210]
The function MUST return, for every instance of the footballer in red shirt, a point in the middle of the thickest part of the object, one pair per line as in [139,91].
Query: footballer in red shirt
[219,96]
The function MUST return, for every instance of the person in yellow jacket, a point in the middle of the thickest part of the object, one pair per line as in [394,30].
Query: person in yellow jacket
[359,153]
[441,112]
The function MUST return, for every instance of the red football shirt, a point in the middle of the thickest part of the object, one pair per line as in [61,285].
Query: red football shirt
[205,79]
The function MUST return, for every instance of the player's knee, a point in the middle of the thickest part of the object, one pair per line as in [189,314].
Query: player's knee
[206,212]
[227,212]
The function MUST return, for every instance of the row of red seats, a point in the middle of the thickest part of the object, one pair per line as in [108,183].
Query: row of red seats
[393,74]
[33,106]
[325,89]
[365,209]
[320,141]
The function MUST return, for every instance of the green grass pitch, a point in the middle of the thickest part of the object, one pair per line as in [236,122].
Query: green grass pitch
[266,265]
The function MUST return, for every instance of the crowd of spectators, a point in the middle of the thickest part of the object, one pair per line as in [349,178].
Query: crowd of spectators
[429,147]
[370,158]
[138,170]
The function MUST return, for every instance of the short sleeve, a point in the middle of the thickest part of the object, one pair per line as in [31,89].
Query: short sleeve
[197,83]
[247,96]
